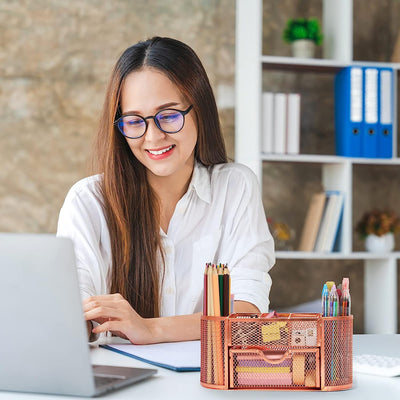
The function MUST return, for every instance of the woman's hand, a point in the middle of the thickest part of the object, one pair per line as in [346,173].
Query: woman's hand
[115,314]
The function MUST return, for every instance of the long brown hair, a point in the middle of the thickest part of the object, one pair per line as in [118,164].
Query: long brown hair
[130,205]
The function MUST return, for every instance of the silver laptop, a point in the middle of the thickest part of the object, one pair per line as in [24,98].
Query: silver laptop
[43,338]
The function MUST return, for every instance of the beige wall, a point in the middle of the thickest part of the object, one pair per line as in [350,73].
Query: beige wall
[55,60]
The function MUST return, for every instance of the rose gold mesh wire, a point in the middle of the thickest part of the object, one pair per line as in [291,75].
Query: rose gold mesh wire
[299,337]
[337,351]
[213,365]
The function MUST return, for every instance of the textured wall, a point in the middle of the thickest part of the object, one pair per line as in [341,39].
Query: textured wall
[55,60]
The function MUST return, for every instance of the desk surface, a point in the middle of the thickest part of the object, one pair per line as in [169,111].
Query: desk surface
[186,385]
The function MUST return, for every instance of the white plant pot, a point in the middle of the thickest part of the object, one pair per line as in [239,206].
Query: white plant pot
[303,48]
[380,244]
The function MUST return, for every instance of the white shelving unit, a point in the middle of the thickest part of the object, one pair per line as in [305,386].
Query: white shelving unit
[380,270]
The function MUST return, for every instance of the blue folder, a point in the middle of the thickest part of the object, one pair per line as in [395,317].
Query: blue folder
[349,111]
[176,356]
[385,107]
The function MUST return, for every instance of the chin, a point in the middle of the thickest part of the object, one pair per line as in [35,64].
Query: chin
[161,171]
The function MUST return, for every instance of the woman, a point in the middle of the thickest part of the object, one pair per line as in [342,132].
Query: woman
[164,204]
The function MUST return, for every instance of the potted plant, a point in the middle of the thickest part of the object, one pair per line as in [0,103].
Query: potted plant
[304,34]
[378,227]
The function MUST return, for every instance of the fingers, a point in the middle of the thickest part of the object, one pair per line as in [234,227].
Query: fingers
[115,314]
[94,301]
[103,313]
[113,326]
[101,308]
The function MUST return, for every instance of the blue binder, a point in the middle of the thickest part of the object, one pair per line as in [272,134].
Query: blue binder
[348,111]
[385,106]
[369,134]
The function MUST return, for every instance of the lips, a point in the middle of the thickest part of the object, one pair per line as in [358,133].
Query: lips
[160,153]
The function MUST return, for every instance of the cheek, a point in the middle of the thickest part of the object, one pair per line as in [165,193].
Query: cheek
[192,134]
[134,145]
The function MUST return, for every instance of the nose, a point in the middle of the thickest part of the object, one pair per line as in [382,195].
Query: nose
[153,132]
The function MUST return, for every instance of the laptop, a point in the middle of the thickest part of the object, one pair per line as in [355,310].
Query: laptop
[43,337]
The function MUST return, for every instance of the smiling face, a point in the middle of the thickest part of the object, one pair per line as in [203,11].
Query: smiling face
[146,92]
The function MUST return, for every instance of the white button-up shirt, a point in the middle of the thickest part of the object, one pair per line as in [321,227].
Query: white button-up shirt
[220,219]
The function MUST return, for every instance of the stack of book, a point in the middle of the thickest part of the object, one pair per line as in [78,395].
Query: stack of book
[364,101]
[281,123]
[322,222]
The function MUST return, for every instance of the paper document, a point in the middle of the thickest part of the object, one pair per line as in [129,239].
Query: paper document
[178,356]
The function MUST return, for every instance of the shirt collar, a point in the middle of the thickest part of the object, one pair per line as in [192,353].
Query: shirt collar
[201,182]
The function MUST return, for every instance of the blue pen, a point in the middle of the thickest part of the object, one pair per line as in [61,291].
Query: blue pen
[325,301]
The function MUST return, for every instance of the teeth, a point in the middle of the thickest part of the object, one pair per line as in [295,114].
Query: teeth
[159,152]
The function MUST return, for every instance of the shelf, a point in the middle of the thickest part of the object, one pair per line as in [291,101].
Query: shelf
[301,64]
[327,159]
[360,255]
[252,67]
[315,64]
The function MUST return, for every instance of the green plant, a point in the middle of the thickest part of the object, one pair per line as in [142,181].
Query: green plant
[379,223]
[303,28]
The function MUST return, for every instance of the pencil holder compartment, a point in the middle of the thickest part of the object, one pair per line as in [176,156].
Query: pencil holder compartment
[337,353]
[213,370]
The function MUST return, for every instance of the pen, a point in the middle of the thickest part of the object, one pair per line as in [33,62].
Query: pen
[346,299]
[333,302]
[325,301]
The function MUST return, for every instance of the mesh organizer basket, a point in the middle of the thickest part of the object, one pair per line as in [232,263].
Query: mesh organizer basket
[287,352]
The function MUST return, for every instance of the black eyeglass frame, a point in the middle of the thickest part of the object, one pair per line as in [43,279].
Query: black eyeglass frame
[154,118]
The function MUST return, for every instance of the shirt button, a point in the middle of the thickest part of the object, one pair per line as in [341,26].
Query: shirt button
[170,291]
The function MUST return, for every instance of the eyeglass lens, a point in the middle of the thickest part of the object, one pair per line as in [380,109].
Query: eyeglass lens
[169,121]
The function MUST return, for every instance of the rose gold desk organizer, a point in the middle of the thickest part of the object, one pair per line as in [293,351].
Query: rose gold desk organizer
[288,352]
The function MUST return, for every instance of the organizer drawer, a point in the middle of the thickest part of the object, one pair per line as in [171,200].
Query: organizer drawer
[262,369]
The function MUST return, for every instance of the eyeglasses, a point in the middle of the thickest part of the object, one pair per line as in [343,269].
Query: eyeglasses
[135,126]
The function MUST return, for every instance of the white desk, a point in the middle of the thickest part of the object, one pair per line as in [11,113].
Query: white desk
[186,385]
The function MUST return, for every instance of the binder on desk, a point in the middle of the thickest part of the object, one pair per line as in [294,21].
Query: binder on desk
[349,111]
[176,356]
[369,135]
[385,106]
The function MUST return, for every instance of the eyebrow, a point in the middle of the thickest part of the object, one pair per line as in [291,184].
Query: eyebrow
[160,107]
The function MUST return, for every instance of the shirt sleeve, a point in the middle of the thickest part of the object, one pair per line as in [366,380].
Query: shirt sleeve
[248,243]
[81,219]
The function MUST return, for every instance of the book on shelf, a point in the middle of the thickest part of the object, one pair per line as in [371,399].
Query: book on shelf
[281,123]
[330,222]
[267,121]
[293,123]
[322,221]
[312,222]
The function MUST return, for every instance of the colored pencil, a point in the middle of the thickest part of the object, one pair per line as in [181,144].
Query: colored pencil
[210,304]
[226,293]
[205,292]
[215,287]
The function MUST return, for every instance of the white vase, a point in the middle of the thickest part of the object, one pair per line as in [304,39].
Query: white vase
[303,48]
[380,244]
